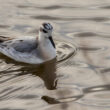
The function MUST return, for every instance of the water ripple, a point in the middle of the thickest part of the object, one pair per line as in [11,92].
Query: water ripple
[64,51]
[4,26]
[97,96]
[79,82]
[52,7]
[95,19]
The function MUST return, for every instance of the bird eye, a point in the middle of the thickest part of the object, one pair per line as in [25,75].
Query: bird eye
[44,31]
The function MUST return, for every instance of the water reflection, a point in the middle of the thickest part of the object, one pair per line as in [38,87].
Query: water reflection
[46,71]
[51,100]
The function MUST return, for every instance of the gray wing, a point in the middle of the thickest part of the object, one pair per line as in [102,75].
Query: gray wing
[21,45]
[22,50]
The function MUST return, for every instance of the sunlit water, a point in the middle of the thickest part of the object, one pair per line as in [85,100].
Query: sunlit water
[79,78]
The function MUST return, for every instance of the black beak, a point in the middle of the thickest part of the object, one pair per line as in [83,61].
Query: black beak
[51,40]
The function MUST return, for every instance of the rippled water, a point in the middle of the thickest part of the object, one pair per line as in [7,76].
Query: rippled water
[79,78]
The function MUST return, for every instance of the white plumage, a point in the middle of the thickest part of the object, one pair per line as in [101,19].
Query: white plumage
[33,50]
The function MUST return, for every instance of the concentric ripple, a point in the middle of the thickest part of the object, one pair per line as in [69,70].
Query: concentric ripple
[64,50]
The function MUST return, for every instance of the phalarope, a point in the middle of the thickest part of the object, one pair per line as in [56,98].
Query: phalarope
[29,49]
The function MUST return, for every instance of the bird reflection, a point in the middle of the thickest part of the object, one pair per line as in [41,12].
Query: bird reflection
[46,71]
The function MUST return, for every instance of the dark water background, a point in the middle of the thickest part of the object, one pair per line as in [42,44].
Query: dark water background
[81,78]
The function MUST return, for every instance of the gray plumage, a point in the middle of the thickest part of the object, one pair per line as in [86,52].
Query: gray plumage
[30,49]
[20,45]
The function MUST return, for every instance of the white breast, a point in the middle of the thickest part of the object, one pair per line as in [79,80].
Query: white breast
[47,51]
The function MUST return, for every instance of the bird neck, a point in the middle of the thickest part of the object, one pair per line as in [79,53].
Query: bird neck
[46,40]
[41,37]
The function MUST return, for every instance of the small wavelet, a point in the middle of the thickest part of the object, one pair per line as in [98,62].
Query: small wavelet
[52,7]
[85,34]
[4,26]
[91,49]
[97,96]
[99,19]
[104,7]
[46,17]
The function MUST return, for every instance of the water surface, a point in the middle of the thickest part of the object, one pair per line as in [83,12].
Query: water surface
[79,78]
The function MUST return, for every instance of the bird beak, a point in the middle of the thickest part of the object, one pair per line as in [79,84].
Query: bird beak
[51,40]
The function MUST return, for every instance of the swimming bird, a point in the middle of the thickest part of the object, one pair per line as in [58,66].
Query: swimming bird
[30,49]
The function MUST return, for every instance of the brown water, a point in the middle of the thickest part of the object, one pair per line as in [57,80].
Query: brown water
[80,79]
